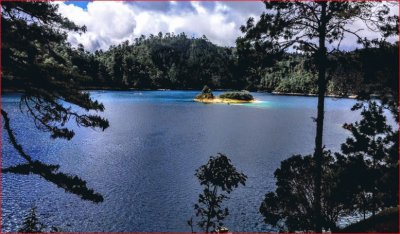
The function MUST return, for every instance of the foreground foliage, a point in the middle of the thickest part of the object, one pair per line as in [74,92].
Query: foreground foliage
[290,207]
[370,152]
[218,178]
[33,60]
[316,29]
[362,178]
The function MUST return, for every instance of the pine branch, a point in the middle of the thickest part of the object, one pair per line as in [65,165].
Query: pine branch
[70,183]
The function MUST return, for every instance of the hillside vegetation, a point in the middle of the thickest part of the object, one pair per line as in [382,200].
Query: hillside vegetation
[178,62]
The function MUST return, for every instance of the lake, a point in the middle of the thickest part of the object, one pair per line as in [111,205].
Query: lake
[144,163]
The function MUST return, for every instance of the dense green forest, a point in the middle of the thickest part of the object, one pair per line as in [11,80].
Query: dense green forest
[178,62]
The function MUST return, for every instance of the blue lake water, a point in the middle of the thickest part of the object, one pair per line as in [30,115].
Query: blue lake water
[144,163]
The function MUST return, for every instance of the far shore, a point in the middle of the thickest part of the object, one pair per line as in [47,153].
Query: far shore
[351,96]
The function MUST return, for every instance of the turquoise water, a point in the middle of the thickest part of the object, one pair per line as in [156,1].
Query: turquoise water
[144,163]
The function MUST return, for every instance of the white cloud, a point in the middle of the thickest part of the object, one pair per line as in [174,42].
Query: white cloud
[110,23]
[107,23]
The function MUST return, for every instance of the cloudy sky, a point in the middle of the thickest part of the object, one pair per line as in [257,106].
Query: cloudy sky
[109,23]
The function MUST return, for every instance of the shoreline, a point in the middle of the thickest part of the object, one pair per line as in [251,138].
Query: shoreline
[352,96]
[222,100]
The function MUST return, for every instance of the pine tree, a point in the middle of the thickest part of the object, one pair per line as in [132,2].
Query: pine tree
[218,178]
[371,141]
[313,27]
[34,64]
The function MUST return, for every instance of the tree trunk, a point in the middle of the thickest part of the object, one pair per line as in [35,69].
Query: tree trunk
[364,211]
[374,185]
[318,153]
[210,207]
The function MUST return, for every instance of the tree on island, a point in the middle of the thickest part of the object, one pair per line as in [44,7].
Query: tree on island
[218,178]
[313,27]
[34,59]
[237,95]
[206,93]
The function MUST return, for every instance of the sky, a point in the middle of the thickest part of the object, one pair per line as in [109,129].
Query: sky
[110,23]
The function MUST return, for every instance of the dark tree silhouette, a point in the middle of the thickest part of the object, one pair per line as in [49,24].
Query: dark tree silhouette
[380,70]
[314,27]
[218,178]
[70,183]
[290,207]
[31,61]
[363,178]
[372,142]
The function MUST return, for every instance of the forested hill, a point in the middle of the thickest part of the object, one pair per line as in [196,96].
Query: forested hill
[178,62]
[161,62]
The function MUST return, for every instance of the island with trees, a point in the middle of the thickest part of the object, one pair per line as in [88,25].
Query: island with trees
[206,96]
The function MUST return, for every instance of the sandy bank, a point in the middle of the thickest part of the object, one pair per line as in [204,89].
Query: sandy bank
[223,100]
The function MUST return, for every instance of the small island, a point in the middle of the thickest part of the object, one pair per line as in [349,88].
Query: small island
[206,96]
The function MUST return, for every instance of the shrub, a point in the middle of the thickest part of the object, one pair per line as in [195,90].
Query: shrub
[237,95]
